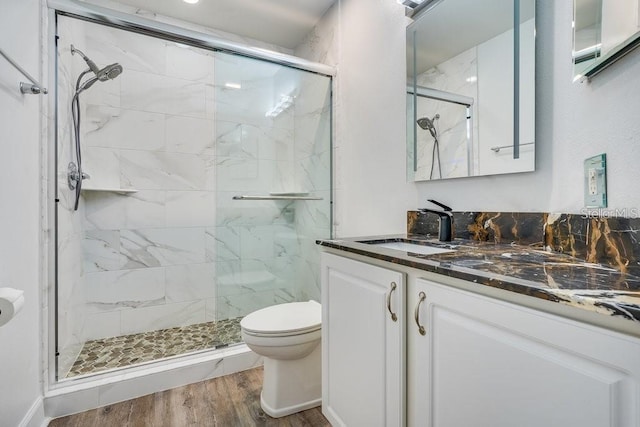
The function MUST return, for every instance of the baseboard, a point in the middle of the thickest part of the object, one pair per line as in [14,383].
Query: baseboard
[75,397]
[35,415]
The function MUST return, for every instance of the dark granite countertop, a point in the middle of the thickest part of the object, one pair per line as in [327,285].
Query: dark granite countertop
[526,270]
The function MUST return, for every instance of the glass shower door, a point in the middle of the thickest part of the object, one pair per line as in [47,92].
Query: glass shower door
[133,274]
[273,182]
[160,260]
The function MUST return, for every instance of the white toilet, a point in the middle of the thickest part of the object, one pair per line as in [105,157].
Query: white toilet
[288,337]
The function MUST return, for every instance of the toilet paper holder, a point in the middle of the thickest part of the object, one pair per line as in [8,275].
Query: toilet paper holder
[11,302]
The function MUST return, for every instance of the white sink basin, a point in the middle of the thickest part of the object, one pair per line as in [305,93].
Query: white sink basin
[412,247]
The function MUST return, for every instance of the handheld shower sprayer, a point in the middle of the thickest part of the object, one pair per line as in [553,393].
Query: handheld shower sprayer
[109,72]
[75,173]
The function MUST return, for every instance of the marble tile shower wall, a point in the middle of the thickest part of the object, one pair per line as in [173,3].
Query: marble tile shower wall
[180,251]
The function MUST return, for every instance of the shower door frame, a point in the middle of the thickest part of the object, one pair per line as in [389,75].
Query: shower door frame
[136,24]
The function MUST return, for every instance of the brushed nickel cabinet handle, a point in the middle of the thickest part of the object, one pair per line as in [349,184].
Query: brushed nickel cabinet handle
[416,314]
[394,317]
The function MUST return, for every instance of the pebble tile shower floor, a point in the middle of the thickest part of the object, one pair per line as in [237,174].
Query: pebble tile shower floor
[118,352]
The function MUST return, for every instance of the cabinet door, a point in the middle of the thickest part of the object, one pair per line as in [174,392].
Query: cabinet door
[485,362]
[362,345]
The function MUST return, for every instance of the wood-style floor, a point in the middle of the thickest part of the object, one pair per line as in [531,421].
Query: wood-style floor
[229,401]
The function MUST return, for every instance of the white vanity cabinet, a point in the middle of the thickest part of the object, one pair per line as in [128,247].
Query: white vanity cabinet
[485,362]
[363,330]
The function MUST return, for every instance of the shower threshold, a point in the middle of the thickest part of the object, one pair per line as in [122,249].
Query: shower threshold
[128,350]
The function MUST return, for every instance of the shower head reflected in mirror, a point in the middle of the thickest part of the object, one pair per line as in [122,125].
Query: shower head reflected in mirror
[428,124]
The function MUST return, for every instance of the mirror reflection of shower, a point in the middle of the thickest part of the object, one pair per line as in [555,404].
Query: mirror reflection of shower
[448,119]
[75,175]
[429,124]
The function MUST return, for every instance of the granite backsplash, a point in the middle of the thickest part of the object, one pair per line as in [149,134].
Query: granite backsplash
[610,241]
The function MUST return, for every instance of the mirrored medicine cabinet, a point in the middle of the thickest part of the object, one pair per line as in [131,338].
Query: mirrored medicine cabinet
[471,89]
[603,32]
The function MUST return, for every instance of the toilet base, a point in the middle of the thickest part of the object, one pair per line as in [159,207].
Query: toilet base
[291,386]
[283,412]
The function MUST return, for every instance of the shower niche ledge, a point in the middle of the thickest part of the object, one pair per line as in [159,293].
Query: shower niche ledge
[123,191]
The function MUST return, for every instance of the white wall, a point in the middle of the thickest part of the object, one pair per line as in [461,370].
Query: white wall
[371,191]
[20,347]
[619,21]
[365,39]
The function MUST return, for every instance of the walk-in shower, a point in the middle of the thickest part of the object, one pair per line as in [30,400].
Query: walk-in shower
[75,173]
[210,181]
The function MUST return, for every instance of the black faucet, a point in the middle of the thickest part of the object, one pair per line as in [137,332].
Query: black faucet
[446,220]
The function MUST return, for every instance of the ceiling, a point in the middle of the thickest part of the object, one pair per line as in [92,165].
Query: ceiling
[281,22]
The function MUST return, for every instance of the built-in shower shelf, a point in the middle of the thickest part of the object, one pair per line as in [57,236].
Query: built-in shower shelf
[109,190]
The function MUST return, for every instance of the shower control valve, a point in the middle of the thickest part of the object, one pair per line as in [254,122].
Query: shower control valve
[74,176]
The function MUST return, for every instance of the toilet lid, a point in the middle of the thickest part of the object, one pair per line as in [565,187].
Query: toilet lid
[284,318]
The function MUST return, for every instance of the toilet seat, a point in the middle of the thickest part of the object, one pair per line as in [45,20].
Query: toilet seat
[295,318]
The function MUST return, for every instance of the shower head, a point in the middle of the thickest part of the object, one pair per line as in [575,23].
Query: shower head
[428,124]
[109,72]
[425,123]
